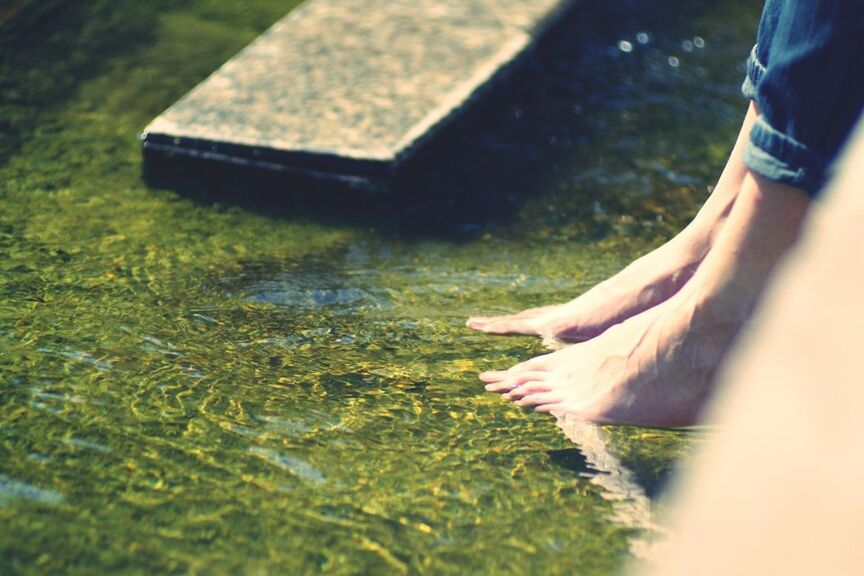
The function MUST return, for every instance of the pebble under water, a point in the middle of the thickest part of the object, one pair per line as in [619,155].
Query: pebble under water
[215,381]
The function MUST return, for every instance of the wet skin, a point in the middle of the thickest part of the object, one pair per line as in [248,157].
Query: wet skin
[656,367]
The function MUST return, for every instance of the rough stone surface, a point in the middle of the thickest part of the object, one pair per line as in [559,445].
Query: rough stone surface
[349,86]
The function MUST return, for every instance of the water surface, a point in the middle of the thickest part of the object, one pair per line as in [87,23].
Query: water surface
[197,383]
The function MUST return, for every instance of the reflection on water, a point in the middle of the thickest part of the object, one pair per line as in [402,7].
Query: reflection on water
[191,386]
[11,489]
[631,506]
[296,466]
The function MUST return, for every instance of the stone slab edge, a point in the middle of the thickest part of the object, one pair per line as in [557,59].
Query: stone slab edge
[356,172]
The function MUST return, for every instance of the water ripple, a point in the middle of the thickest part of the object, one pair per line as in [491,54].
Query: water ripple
[14,489]
[304,471]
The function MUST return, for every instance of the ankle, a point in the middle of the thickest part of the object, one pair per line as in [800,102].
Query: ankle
[763,226]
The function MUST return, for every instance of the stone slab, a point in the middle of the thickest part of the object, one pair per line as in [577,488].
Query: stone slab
[349,88]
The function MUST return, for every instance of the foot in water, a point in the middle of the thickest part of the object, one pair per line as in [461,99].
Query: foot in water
[642,371]
[657,367]
[645,283]
[640,286]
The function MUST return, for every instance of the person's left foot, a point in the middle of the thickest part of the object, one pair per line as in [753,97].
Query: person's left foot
[645,283]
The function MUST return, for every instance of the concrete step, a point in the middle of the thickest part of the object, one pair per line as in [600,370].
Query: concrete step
[349,89]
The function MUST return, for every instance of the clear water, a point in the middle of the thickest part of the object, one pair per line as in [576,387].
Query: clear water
[195,384]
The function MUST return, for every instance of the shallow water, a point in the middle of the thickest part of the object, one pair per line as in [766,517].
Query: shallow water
[192,384]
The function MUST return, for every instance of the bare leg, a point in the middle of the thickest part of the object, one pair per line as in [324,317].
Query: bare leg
[657,368]
[648,281]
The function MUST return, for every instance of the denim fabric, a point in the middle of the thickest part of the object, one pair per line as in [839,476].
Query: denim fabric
[762,50]
[755,70]
[806,74]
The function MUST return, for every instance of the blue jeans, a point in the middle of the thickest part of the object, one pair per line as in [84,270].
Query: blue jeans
[806,74]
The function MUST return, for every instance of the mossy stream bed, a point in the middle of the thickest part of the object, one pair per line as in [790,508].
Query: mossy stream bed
[208,383]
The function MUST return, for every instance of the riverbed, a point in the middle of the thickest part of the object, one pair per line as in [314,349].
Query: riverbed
[247,382]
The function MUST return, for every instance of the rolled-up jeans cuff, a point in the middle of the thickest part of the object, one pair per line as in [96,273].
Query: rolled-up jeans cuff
[780,158]
[755,70]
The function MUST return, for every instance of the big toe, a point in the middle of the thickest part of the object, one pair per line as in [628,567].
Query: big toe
[494,375]
[502,325]
[494,324]
[537,364]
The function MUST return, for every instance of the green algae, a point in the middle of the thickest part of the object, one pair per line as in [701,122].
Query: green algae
[200,387]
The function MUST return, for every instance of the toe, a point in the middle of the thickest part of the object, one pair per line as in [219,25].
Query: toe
[494,375]
[539,399]
[549,407]
[560,405]
[499,387]
[478,322]
[513,380]
[536,364]
[501,325]
[521,368]
[485,322]
[527,389]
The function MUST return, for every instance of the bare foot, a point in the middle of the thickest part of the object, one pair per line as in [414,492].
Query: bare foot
[648,281]
[643,371]
[657,368]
